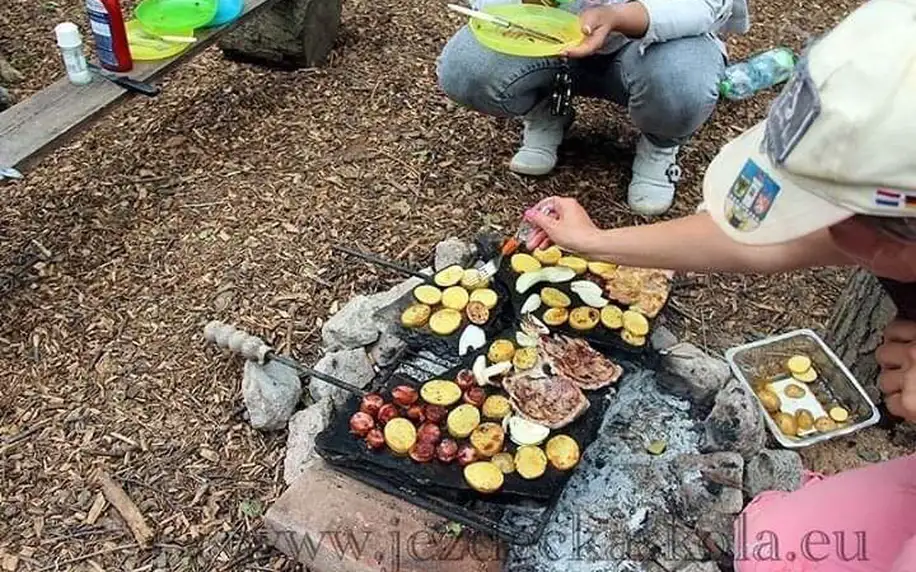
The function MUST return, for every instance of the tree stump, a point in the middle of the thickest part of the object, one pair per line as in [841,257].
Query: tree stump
[290,34]
[855,330]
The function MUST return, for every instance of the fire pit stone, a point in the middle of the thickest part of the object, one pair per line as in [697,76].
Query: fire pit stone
[300,443]
[384,351]
[454,251]
[689,372]
[662,338]
[353,326]
[271,392]
[711,483]
[735,422]
[773,470]
[353,366]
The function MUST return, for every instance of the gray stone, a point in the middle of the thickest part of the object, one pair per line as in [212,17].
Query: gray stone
[304,427]
[271,393]
[388,305]
[9,74]
[773,470]
[662,338]
[353,326]
[735,422]
[384,351]
[689,372]
[453,251]
[717,533]
[6,100]
[700,567]
[352,366]
[290,34]
[711,483]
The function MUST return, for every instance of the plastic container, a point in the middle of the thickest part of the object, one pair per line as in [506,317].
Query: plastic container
[227,11]
[71,49]
[172,17]
[760,72]
[110,35]
[763,363]
[147,47]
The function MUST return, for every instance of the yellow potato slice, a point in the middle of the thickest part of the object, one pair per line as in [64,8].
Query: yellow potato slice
[824,424]
[400,435]
[838,414]
[427,294]
[525,358]
[635,323]
[462,421]
[806,376]
[496,407]
[449,276]
[556,316]
[799,364]
[562,452]
[505,462]
[794,391]
[769,400]
[484,477]
[455,297]
[488,439]
[415,315]
[530,462]
[574,262]
[584,318]
[632,339]
[522,263]
[555,298]
[445,321]
[472,280]
[786,424]
[612,317]
[485,296]
[602,269]
[501,350]
[548,256]
[804,420]
[440,392]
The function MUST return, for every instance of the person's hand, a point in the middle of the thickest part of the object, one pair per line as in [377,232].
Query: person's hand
[596,24]
[897,358]
[568,225]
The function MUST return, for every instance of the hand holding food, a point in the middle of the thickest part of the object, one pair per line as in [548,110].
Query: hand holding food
[569,227]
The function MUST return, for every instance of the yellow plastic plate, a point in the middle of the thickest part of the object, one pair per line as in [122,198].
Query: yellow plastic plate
[558,23]
[146,47]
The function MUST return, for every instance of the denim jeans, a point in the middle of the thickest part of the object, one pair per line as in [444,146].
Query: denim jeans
[669,91]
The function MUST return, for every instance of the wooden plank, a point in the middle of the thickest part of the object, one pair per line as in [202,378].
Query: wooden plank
[56,113]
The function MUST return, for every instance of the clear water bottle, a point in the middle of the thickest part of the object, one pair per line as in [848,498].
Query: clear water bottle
[759,72]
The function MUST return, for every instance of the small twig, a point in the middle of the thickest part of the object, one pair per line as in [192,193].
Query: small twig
[85,557]
[126,508]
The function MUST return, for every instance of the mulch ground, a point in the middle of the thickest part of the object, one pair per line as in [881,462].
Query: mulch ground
[220,199]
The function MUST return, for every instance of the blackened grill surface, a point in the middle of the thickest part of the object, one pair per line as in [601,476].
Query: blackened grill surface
[337,444]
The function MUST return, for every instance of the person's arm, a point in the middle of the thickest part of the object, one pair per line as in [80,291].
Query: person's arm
[693,243]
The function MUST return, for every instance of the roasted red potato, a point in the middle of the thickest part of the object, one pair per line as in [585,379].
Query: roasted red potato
[387,412]
[415,413]
[375,439]
[466,455]
[429,433]
[361,423]
[475,396]
[435,413]
[447,450]
[371,404]
[423,452]
[404,395]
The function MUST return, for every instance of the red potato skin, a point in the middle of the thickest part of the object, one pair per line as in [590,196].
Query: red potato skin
[465,379]
[435,413]
[387,412]
[475,396]
[422,452]
[429,433]
[371,404]
[375,439]
[447,450]
[404,395]
[466,455]
[415,413]
[361,423]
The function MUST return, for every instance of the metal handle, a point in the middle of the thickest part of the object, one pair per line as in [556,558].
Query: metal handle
[127,83]
[381,262]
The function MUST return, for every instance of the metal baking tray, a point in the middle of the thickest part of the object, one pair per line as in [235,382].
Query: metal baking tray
[764,362]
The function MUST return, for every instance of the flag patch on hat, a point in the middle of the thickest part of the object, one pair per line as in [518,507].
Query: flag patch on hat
[885,198]
[750,197]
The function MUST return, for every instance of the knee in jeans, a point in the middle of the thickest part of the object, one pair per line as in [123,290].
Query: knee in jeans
[460,79]
[680,98]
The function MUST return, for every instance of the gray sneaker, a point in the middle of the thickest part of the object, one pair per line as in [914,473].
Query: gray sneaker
[542,137]
[655,172]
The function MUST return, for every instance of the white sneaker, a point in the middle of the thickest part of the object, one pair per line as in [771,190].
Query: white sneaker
[542,137]
[655,172]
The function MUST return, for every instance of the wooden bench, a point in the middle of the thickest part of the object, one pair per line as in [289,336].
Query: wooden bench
[55,114]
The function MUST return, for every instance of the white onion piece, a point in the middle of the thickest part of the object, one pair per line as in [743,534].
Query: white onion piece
[472,338]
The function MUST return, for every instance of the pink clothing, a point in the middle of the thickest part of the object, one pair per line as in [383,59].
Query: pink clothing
[862,520]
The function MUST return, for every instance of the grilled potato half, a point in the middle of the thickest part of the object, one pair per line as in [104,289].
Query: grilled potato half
[530,462]
[562,452]
[484,477]
[488,439]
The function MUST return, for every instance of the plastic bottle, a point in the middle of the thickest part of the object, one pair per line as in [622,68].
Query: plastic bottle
[110,35]
[762,71]
[71,48]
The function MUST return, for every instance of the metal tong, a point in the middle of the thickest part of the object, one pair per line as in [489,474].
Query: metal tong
[382,262]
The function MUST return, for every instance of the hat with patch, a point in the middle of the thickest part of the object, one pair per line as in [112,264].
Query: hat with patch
[839,140]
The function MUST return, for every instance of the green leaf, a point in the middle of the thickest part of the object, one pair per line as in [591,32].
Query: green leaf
[453,529]
[251,508]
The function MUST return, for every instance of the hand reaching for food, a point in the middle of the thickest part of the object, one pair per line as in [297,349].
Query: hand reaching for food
[569,226]
[897,358]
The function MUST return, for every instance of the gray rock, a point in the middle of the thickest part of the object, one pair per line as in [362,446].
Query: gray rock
[689,372]
[711,483]
[271,393]
[717,533]
[304,427]
[383,351]
[700,567]
[388,305]
[773,470]
[662,338]
[735,422]
[6,100]
[453,251]
[353,326]
[352,366]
